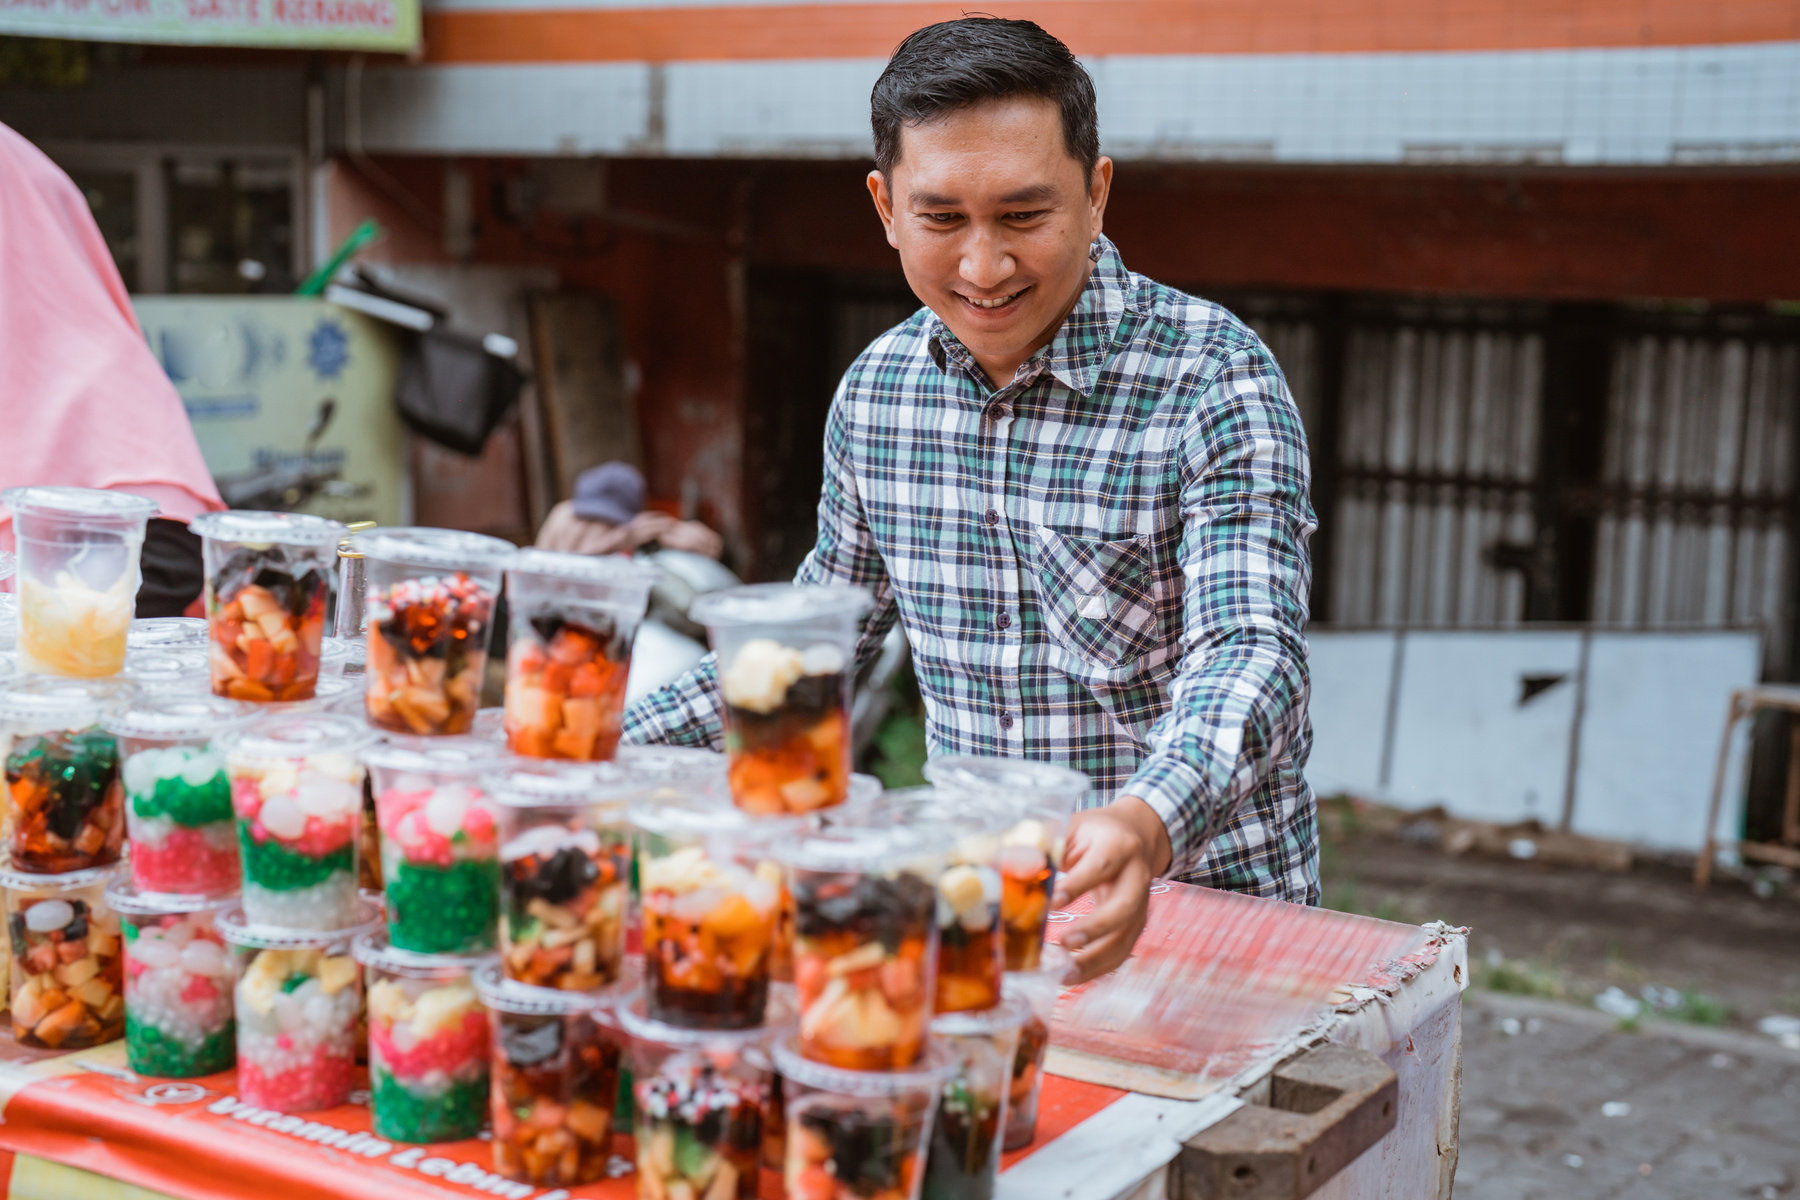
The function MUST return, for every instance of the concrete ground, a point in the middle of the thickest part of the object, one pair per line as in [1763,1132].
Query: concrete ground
[1559,1102]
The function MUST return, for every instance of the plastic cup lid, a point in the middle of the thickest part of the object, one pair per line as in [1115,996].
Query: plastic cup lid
[1032,782]
[374,950]
[241,932]
[673,763]
[446,549]
[570,785]
[177,718]
[1003,1017]
[1054,965]
[67,881]
[79,702]
[165,631]
[9,666]
[862,848]
[634,1016]
[704,816]
[619,570]
[125,897]
[490,725]
[90,504]
[779,604]
[268,528]
[510,996]
[958,811]
[8,564]
[163,665]
[336,649]
[926,1075]
[458,756]
[297,735]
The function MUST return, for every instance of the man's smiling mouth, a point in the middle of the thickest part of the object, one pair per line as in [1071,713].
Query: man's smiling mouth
[996,302]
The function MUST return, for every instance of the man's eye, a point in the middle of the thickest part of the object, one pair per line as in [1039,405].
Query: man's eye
[1025,216]
[941,218]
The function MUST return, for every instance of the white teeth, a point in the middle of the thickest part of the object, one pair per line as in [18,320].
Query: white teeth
[990,303]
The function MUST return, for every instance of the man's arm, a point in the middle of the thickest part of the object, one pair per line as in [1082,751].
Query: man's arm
[1239,699]
[686,712]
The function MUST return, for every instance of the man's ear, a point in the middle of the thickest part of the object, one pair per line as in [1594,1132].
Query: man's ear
[1099,188]
[884,204]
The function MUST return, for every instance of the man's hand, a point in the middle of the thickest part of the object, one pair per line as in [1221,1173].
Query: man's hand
[1113,852]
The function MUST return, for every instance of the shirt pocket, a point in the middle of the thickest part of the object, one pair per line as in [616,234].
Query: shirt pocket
[1099,595]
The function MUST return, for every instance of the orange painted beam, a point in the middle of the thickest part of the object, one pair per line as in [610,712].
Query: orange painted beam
[1097,27]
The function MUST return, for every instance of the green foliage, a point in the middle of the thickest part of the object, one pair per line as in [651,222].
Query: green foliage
[1522,977]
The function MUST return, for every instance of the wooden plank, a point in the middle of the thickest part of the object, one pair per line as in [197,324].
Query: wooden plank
[588,417]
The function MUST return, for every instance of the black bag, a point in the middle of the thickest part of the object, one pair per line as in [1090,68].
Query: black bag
[452,390]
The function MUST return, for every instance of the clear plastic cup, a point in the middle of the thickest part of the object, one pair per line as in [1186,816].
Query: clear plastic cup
[440,842]
[166,670]
[298,1001]
[66,971]
[865,942]
[428,1043]
[268,583]
[971,939]
[490,726]
[573,619]
[712,901]
[297,788]
[9,564]
[64,798]
[78,576]
[785,669]
[966,1137]
[565,872]
[699,1097]
[683,767]
[857,1135]
[1031,851]
[429,602]
[9,621]
[9,667]
[1039,989]
[342,656]
[179,977]
[177,793]
[166,633]
[555,1080]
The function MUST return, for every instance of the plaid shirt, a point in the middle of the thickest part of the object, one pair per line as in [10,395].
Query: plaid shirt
[1101,564]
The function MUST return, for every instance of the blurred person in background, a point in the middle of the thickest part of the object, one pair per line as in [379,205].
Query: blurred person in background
[607,516]
[83,402]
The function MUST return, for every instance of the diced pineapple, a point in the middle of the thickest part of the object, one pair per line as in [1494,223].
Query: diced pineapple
[337,973]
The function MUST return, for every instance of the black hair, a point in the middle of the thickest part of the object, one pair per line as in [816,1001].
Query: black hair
[953,64]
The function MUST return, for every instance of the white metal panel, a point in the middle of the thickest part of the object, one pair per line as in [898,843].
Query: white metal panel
[1650,736]
[1351,674]
[819,108]
[529,108]
[1463,737]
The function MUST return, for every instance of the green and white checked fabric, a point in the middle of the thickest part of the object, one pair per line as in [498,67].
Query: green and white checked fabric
[1102,564]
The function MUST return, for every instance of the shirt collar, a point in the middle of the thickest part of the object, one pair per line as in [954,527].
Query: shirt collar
[1078,351]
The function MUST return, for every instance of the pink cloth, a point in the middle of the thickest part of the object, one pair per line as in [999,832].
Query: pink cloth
[83,402]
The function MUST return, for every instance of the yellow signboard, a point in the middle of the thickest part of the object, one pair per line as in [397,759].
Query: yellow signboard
[391,25]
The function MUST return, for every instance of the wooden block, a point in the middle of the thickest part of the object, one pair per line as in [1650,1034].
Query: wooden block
[1325,1108]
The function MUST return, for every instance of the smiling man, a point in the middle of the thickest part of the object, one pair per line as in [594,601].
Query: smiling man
[1082,493]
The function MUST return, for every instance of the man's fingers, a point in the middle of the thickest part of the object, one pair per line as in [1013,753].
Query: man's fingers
[1084,867]
[1116,906]
[1104,954]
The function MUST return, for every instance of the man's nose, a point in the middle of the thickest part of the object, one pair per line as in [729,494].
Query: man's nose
[986,262]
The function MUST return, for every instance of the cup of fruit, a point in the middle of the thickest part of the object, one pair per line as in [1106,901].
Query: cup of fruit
[66,971]
[865,941]
[64,796]
[699,1097]
[555,1080]
[1046,797]
[565,872]
[964,1160]
[298,1001]
[297,788]
[572,621]
[178,794]
[179,977]
[785,661]
[78,576]
[440,842]
[428,1043]
[711,895]
[429,603]
[268,577]
[1038,989]
[857,1135]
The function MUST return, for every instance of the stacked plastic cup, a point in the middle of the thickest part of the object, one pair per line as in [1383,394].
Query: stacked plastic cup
[429,604]
[428,1043]
[78,576]
[573,618]
[297,787]
[179,977]
[785,663]
[177,793]
[65,802]
[968,1133]
[857,1135]
[66,971]
[1031,850]
[298,1001]
[166,633]
[1038,988]
[268,581]
[172,670]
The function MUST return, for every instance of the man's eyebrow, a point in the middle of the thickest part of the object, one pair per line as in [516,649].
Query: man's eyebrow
[1034,194]
[931,200]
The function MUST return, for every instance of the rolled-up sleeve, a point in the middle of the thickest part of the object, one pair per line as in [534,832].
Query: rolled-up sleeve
[1238,703]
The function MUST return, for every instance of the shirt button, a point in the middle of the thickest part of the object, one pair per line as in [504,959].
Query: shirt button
[1006,720]
[992,517]
[1003,620]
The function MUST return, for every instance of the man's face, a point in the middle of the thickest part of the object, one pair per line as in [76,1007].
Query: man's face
[993,218]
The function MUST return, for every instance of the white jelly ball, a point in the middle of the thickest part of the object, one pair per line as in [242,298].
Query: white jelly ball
[283,818]
[48,916]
